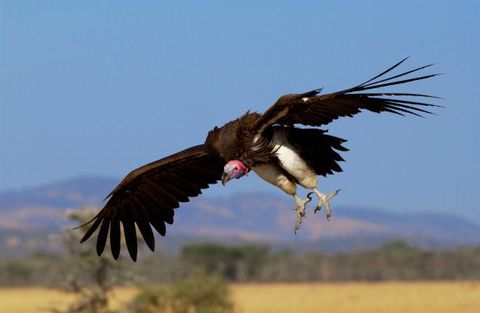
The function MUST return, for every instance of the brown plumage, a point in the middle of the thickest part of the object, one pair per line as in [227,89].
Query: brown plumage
[148,195]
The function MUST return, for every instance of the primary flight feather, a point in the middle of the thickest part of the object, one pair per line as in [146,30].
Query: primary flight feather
[269,144]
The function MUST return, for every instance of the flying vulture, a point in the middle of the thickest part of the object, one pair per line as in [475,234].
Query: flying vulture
[268,144]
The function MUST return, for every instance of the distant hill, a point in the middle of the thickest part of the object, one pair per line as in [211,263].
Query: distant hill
[30,218]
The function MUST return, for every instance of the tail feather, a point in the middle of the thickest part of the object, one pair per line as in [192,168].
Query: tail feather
[319,150]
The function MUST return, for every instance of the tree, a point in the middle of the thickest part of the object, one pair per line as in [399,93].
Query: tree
[237,263]
[89,277]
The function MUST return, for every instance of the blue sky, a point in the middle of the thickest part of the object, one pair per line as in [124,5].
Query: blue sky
[101,87]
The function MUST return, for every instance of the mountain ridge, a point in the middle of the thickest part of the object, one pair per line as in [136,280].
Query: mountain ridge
[245,217]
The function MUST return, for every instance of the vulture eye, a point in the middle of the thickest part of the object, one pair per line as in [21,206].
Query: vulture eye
[235,168]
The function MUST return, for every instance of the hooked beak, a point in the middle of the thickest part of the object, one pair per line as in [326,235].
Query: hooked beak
[225,178]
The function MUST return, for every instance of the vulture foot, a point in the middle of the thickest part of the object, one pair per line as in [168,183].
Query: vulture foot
[324,199]
[300,207]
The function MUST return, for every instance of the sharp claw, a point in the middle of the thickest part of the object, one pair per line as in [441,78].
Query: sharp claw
[319,206]
[309,196]
[324,200]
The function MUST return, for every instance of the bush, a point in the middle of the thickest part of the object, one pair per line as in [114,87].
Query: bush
[201,293]
[149,300]
[198,293]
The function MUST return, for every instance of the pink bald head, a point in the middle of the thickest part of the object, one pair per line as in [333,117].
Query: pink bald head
[233,169]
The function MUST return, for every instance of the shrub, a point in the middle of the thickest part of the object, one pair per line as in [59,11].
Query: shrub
[150,299]
[198,293]
[201,293]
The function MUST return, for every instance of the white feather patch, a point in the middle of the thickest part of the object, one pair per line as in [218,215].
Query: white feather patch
[292,162]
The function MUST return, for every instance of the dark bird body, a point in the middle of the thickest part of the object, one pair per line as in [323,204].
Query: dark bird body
[268,144]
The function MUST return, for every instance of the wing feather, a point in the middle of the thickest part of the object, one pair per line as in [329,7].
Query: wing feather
[115,237]
[313,109]
[130,233]
[148,196]
[102,235]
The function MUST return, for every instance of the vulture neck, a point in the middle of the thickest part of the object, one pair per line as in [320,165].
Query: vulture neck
[239,140]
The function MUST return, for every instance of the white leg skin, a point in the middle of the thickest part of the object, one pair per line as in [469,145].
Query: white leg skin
[300,206]
[324,199]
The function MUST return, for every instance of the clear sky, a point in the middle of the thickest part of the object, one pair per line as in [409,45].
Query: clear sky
[101,87]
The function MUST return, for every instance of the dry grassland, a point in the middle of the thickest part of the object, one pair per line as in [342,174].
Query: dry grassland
[439,297]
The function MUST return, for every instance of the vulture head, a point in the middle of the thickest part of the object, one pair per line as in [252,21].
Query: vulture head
[233,169]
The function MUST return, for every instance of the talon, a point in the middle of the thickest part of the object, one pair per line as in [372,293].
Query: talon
[319,205]
[324,200]
[300,209]
[309,196]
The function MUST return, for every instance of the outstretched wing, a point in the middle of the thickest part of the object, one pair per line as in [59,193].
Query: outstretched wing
[313,109]
[148,196]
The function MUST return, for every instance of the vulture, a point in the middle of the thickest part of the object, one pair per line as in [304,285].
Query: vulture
[269,144]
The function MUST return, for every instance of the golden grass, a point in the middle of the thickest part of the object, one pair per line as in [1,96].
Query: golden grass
[40,300]
[408,297]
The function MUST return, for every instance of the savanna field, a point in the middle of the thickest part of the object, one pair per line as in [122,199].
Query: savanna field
[390,297]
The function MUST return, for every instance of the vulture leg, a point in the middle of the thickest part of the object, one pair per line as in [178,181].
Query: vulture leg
[300,209]
[324,199]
